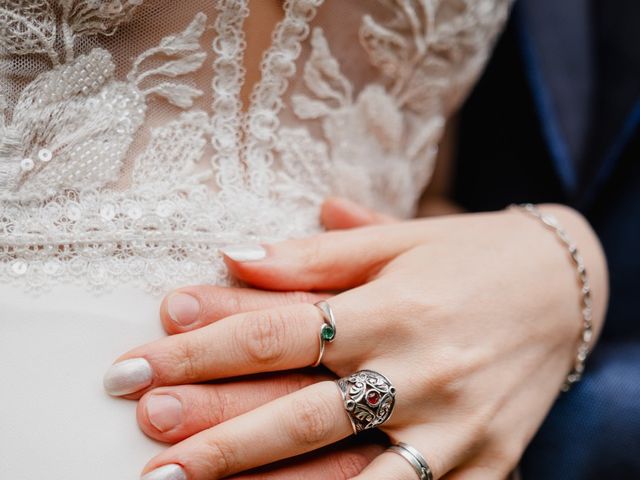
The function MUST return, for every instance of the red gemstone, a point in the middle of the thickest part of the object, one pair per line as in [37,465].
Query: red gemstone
[373,398]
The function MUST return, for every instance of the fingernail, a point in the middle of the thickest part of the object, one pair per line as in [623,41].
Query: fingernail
[164,412]
[245,253]
[183,309]
[168,472]
[127,377]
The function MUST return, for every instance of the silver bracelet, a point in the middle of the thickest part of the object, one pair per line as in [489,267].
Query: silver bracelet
[587,323]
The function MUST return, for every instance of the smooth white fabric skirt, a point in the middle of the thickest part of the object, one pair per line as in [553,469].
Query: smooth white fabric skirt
[56,421]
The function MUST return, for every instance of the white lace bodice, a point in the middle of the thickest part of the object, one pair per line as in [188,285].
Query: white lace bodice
[126,153]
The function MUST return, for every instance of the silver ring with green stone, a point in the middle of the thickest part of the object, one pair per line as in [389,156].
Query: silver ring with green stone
[327,330]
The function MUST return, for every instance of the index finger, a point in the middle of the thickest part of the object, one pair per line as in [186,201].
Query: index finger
[255,342]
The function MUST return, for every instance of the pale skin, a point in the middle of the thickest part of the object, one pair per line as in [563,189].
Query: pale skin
[474,317]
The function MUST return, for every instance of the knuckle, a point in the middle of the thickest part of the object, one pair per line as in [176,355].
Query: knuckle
[445,380]
[350,464]
[451,379]
[188,360]
[214,406]
[510,460]
[499,464]
[314,259]
[407,307]
[485,472]
[473,439]
[313,422]
[298,296]
[222,302]
[506,456]
[476,431]
[264,336]
[452,369]
[234,301]
[219,458]
[297,381]
[411,303]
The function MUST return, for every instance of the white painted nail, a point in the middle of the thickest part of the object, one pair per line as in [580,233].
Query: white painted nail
[168,472]
[127,377]
[245,253]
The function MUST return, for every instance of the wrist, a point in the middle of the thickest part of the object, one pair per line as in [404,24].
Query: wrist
[591,313]
[587,241]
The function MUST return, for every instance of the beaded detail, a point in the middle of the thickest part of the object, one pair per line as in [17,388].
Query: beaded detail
[92,191]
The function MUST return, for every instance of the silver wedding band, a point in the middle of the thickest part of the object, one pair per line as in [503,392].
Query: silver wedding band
[415,458]
[327,330]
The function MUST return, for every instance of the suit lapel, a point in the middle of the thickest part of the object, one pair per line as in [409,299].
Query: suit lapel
[558,56]
[617,117]
[572,68]
[612,158]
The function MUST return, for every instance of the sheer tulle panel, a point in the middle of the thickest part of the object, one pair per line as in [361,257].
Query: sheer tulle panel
[126,152]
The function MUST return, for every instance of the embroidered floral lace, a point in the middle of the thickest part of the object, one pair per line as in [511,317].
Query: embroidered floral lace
[126,154]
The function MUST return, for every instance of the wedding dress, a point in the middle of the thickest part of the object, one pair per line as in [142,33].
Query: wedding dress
[127,159]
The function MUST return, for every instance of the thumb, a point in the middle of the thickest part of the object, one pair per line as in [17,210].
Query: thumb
[340,213]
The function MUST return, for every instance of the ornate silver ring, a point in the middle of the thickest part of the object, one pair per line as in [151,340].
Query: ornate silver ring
[368,398]
[327,330]
[415,458]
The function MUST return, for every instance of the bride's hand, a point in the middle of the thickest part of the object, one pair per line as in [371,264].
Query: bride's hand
[474,318]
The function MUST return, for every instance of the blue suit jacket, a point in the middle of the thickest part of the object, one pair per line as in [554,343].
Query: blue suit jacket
[524,138]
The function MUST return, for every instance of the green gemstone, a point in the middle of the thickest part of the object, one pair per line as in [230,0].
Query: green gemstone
[327,333]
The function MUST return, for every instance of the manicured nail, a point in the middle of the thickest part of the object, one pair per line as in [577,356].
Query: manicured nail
[183,308]
[127,377]
[164,412]
[245,253]
[168,472]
